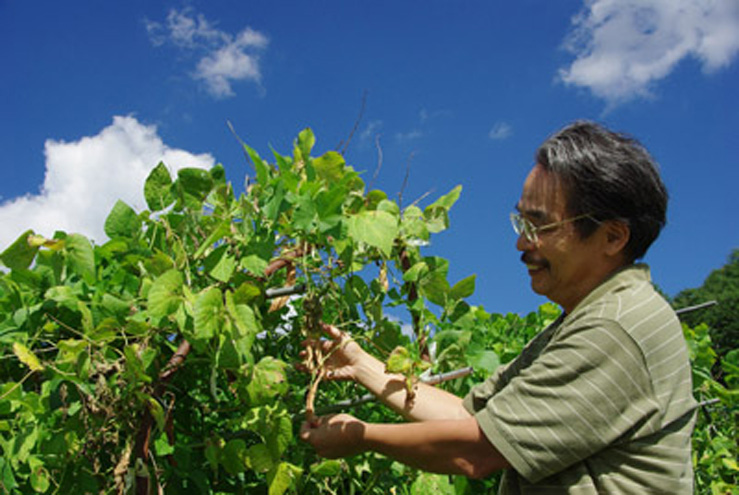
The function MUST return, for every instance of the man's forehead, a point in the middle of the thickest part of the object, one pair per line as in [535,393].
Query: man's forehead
[542,195]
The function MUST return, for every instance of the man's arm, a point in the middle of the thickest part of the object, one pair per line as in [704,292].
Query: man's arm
[428,402]
[440,446]
[348,361]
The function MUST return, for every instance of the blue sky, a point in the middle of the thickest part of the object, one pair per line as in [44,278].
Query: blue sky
[93,94]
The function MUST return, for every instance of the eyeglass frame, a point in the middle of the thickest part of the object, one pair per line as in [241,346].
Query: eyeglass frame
[522,225]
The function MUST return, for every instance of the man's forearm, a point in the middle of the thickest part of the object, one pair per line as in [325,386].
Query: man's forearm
[447,446]
[428,403]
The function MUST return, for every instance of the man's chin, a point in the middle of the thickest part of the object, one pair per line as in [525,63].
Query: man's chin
[538,284]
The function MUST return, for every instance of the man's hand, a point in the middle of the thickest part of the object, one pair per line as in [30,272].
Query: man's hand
[336,436]
[343,355]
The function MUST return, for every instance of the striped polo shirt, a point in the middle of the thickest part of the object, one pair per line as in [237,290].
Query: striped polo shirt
[599,402]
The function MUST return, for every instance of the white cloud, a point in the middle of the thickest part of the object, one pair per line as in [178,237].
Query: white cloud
[224,58]
[85,178]
[371,131]
[408,136]
[500,131]
[622,47]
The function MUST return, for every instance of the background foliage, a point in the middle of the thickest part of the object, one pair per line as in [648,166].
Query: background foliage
[162,360]
[722,286]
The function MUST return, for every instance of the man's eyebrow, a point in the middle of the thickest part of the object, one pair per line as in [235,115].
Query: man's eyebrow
[537,215]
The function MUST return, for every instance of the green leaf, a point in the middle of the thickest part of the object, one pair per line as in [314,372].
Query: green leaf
[242,316]
[280,434]
[329,201]
[165,294]
[27,357]
[158,188]
[329,167]
[283,478]
[122,221]
[463,288]
[261,167]
[39,475]
[228,355]
[399,361]
[306,142]
[209,313]
[70,350]
[327,468]
[157,411]
[427,483]
[255,264]
[268,380]
[234,456]
[437,219]
[389,206]
[413,225]
[483,360]
[220,264]
[7,480]
[162,446]
[20,254]
[223,229]
[375,228]
[193,184]
[258,458]
[80,256]
[448,200]
[435,288]
[416,272]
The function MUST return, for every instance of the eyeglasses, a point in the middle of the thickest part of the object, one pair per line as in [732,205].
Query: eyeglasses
[522,225]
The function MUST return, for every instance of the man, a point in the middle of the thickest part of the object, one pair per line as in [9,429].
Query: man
[600,401]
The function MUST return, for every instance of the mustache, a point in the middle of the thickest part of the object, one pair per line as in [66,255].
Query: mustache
[529,259]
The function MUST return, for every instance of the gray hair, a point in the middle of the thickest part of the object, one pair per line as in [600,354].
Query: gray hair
[609,176]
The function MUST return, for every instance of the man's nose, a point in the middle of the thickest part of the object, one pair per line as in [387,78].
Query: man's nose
[523,243]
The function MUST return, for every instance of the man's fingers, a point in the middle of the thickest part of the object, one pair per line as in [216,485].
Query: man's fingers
[332,331]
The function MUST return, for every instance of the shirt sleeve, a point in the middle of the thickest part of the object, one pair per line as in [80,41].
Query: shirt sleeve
[588,388]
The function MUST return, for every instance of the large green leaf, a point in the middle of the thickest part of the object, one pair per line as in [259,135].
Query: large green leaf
[376,228]
[234,456]
[20,254]
[220,264]
[280,433]
[242,316]
[259,459]
[463,288]
[330,166]
[283,477]
[193,185]
[209,313]
[158,188]
[482,359]
[80,256]
[268,380]
[122,221]
[165,294]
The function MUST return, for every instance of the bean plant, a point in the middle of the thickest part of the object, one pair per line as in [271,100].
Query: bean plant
[163,360]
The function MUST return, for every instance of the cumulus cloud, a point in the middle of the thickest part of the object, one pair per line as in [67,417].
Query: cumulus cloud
[500,131]
[223,57]
[85,178]
[623,47]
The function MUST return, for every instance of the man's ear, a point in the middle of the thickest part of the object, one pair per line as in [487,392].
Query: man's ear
[617,235]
